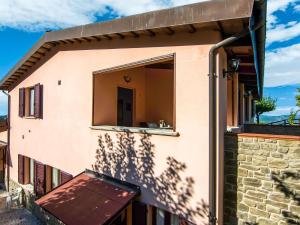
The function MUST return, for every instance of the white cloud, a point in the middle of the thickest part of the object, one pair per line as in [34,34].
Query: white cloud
[282,66]
[282,32]
[36,15]
[285,110]
[278,32]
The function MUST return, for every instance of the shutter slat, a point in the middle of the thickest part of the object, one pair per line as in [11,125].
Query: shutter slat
[21,169]
[39,179]
[21,102]
[38,101]
[65,177]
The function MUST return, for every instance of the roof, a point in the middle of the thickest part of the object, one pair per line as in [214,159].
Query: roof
[216,14]
[89,199]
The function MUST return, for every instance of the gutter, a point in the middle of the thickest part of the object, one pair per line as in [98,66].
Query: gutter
[7,155]
[213,119]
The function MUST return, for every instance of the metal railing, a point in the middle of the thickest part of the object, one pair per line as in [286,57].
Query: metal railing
[285,122]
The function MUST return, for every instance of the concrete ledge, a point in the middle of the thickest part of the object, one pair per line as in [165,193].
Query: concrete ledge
[151,131]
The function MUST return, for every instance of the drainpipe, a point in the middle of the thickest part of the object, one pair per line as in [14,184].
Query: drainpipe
[7,155]
[213,122]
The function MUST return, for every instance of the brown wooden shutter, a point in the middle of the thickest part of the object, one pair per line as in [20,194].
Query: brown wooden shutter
[154,211]
[65,177]
[38,101]
[21,169]
[167,218]
[139,213]
[21,102]
[39,179]
[48,178]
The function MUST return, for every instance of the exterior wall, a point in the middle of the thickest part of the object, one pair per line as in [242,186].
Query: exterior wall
[63,138]
[262,183]
[153,90]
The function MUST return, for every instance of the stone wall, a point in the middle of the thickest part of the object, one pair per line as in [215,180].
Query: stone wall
[27,199]
[262,179]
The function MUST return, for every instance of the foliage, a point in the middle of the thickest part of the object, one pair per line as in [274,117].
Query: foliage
[293,113]
[298,98]
[263,105]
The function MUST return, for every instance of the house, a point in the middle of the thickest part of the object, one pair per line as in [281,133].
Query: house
[129,115]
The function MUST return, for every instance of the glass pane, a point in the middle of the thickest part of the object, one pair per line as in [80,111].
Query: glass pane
[31,102]
[160,217]
[32,171]
[55,177]
[174,220]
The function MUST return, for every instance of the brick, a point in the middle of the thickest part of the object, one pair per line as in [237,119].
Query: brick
[295,209]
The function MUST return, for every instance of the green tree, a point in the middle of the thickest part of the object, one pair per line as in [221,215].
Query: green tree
[293,114]
[263,105]
[298,98]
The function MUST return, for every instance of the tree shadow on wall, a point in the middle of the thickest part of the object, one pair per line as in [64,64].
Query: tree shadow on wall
[125,159]
[285,183]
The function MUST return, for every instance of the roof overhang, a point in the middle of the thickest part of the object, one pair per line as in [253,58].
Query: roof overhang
[228,16]
[89,198]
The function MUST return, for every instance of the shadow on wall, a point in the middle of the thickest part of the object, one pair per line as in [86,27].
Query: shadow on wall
[287,183]
[134,162]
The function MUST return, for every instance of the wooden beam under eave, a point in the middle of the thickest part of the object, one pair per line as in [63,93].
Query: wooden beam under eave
[151,33]
[96,38]
[120,35]
[86,39]
[170,31]
[192,28]
[107,37]
[135,34]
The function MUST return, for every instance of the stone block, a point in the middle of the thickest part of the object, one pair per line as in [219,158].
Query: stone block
[252,182]
[259,213]
[288,143]
[262,221]
[272,209]
[278,163]
[277,204]
[257,194]
[283,149]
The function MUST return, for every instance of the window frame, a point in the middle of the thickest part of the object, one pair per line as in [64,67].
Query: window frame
[139,63]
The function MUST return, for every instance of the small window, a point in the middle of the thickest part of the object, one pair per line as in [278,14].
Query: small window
[30,101]
[55,178]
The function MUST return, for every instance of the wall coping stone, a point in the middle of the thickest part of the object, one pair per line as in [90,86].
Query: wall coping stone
[271,136]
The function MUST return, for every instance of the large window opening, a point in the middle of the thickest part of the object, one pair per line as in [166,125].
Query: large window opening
[140,96]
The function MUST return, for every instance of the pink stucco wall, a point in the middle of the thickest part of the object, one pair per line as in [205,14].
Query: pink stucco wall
[64,139]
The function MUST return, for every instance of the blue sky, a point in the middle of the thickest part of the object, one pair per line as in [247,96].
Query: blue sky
[23,22]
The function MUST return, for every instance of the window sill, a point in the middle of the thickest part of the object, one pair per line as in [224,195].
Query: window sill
[30,117]
[152,131]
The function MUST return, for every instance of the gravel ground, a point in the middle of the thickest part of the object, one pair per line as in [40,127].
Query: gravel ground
[18,216]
